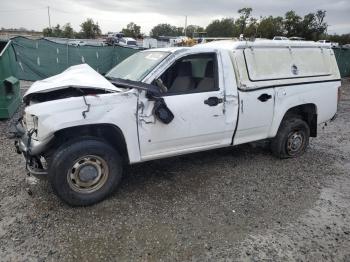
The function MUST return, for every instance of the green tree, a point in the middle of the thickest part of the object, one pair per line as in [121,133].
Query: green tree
[270,27]
[47,32]
[243,18]
[251,29]
[164,30]
[180,31]
[313,25]
[53,32]
[308,27]
[57,31]
[221,28]
[321,25]
[341,39]
[192,29]
[68,31]
[292,24]
[90,29]
[132,30]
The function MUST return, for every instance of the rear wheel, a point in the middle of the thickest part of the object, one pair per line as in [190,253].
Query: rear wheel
[292,138]
[85,171]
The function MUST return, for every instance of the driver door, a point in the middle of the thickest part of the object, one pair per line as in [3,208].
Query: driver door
[195,97]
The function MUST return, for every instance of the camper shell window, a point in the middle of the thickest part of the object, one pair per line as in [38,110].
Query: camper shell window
[264,64]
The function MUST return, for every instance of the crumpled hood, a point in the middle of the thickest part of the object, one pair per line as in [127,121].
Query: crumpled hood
[80,76]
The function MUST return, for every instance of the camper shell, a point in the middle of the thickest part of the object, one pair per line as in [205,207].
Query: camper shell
[267,63]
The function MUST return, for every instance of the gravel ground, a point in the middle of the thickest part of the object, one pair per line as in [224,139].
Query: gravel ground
[235,204]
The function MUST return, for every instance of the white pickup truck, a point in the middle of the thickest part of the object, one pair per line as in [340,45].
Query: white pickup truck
[80,128]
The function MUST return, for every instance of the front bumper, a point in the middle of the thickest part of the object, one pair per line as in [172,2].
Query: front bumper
[31,150]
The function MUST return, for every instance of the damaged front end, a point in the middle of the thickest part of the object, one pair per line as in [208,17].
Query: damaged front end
[31,149]
[78,97]
[45,100]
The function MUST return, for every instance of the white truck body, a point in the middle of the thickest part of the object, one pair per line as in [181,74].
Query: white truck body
[127,41]
[257,83]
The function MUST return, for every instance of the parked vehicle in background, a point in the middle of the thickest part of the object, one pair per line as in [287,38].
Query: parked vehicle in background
[327,42]
[113,38]
[296,38]
[204,40]
[77,43]
[334,44]
[324,41]
[172,41]
[149,42]
[80,128]
[280,38]
[127,41]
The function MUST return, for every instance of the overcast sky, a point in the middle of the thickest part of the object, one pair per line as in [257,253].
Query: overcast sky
[113,15]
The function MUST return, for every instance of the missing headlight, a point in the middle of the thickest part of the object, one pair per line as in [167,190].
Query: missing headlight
[30,122]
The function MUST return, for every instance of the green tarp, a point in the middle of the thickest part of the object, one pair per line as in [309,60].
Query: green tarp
[9,84]
[38,59]
[8,66]
[343,60]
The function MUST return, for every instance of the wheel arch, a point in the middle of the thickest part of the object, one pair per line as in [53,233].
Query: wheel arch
[307,112]
[110,133]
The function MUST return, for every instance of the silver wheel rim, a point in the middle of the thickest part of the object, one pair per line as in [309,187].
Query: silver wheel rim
[88,174]
[295,142]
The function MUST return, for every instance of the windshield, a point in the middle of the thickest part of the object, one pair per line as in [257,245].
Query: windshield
[137,66]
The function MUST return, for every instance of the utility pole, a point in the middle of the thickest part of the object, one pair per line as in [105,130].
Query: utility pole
[48,13]
[185,25]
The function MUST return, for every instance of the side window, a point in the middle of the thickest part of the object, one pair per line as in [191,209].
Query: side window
[192,74]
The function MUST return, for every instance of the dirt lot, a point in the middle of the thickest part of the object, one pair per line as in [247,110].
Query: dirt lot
[231,204]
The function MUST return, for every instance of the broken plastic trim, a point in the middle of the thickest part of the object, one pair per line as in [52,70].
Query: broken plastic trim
[152,90]
[160,109]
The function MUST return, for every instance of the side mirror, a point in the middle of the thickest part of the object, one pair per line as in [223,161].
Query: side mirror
[162,112]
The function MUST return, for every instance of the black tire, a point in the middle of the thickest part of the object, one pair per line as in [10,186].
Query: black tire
[101,162]
[292,138]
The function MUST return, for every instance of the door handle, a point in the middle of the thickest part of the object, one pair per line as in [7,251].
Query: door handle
[213,101]
[264,97]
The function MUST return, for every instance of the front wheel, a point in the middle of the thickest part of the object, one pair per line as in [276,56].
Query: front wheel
[85,171]
[292,138]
